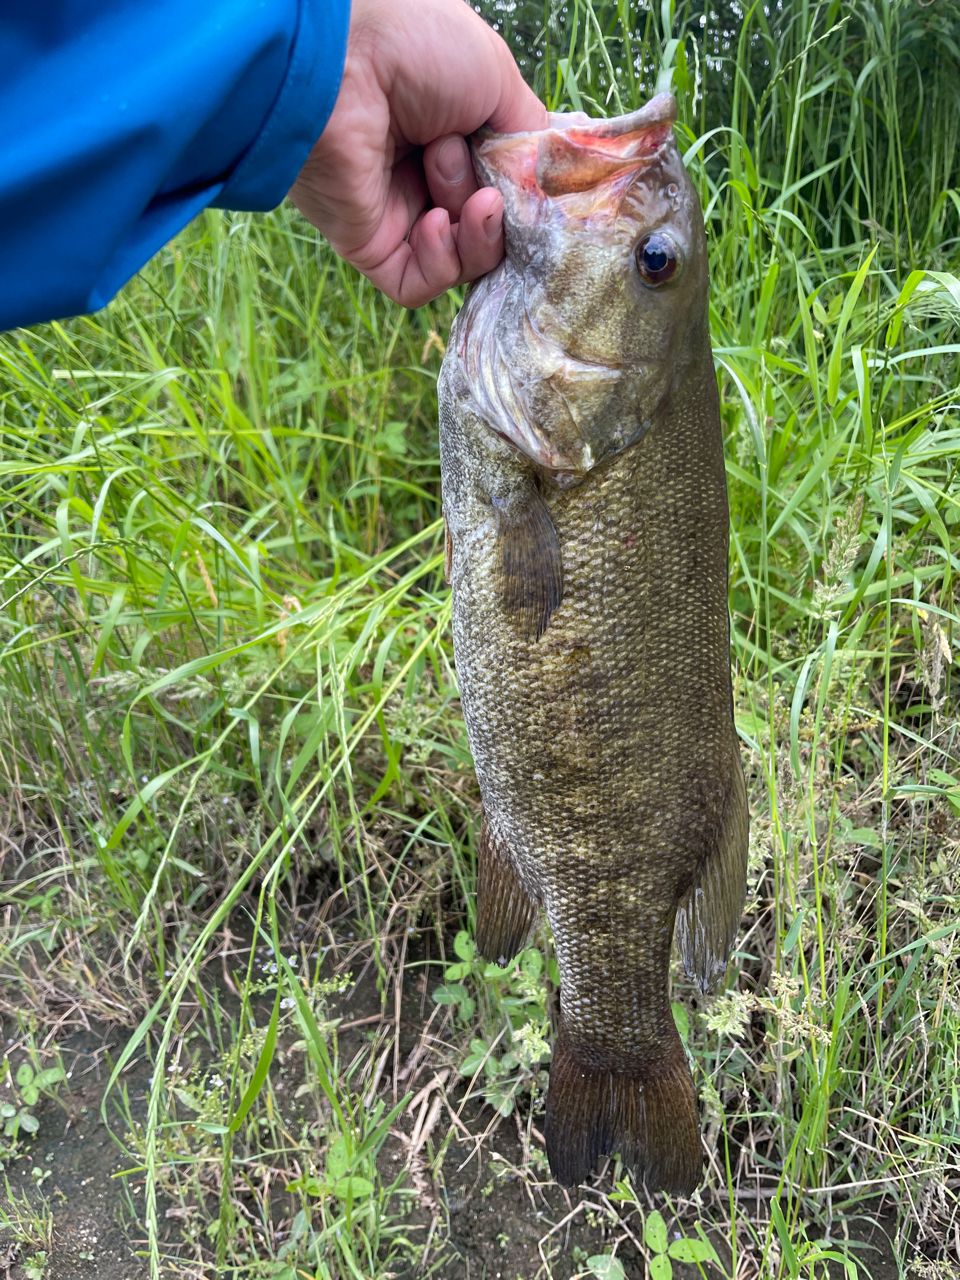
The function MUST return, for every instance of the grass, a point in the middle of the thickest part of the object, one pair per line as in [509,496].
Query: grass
[231,719]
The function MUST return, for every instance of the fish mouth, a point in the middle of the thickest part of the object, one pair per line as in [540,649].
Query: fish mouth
[582,162]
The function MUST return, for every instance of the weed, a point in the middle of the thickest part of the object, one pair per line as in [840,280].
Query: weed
[513,1018]
[27,1220]
[17,1115]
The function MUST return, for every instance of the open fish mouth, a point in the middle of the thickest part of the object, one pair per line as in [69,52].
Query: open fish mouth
[582,162]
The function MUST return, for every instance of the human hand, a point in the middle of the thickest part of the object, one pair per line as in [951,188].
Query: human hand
[390,182]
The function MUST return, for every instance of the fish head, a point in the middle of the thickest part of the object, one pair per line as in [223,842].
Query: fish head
[599,309]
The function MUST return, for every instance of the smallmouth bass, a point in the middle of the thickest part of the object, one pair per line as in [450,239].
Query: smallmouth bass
[587,535]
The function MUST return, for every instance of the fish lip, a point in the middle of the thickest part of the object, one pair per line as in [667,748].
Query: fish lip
[661,109]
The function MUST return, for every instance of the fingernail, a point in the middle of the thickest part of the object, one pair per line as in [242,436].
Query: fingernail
[493,225]
[452,160]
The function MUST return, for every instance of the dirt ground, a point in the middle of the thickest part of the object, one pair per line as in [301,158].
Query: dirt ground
[495,1216]
[72,1165]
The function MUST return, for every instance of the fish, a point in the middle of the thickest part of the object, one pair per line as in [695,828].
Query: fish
[587,526]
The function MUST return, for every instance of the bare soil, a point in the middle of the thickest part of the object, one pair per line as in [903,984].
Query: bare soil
[495,1214]
[94,1233]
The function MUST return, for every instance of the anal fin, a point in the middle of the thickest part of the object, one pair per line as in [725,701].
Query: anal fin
[530,564]
[708,915]
[506,914]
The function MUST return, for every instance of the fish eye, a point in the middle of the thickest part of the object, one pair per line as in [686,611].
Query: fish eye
[657,259]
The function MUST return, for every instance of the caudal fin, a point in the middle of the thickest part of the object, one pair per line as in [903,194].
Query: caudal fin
[645,1110]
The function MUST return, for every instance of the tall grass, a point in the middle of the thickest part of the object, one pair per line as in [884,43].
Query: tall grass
[227,678]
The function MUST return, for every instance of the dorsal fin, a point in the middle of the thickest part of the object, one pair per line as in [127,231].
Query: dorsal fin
[709,913]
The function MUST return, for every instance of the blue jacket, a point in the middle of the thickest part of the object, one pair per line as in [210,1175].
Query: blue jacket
[122,119]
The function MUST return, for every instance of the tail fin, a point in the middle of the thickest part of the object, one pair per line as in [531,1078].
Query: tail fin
[645,1110]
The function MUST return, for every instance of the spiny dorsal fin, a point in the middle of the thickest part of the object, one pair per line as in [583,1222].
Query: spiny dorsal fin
[530,565]
[708,916]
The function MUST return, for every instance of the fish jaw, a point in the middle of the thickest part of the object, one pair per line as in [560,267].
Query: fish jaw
[568,354]
[528,389]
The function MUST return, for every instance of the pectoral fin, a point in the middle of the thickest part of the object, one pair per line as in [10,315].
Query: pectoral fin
[530,565]
[708,916]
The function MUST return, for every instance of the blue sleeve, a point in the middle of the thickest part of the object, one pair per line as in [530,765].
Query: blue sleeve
[122,119]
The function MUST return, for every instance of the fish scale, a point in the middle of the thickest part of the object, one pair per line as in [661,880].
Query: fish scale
[602,737]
